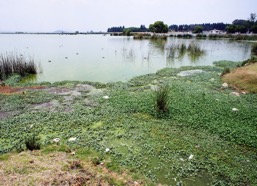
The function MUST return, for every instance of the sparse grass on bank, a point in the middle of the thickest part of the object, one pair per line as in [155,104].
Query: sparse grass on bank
[243,78]
[207,137]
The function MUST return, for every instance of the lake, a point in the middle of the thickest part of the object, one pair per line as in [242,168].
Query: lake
[105,58]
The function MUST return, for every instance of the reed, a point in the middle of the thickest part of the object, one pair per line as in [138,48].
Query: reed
[12,63]
[195,49]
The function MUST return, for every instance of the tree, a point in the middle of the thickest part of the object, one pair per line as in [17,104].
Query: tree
[159,27]
[231,29]
[252,17]
[198,29]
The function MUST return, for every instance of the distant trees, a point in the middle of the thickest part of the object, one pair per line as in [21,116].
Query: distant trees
[159,27]
[116,29]
[198,29]
[142,28]
[205,27]
[243,26]
[237,26]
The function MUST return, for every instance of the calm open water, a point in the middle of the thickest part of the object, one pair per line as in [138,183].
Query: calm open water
[113,58]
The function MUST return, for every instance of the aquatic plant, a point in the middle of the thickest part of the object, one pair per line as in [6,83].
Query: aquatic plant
[11,63]
[195,49]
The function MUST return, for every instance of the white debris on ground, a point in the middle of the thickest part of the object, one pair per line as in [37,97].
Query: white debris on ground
[224,85]
[190,157]
[234,94]
[106,97]
[107,150]
[56,140]
[234,109]
[72,139]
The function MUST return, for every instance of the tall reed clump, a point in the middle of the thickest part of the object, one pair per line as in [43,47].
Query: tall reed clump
[254,49]
[162,99]
[12,63]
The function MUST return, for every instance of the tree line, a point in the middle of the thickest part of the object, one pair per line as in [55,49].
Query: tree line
[237,26]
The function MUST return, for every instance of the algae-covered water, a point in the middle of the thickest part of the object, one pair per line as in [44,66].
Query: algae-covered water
[113,58]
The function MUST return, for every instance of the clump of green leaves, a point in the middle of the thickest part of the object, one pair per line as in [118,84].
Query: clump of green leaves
[162,99]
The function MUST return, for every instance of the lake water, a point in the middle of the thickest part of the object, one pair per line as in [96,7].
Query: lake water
[113,58]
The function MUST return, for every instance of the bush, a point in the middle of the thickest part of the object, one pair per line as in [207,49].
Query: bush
[32,143]
[162,99]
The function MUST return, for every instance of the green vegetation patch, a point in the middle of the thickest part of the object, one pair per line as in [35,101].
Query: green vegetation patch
[208,136]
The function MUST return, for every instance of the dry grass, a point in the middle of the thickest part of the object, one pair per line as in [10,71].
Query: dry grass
[243,78]
[58,168]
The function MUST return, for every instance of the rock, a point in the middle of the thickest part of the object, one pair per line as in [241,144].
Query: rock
[224,85]
[84,87]
[73,153]
[75,93]
[190,72]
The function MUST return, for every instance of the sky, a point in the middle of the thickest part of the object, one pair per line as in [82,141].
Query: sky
[99,15]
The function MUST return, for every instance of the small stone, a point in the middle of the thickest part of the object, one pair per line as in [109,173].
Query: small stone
[224,85]
[73,153]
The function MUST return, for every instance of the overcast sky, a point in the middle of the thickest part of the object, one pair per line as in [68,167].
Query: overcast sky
[98,15]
